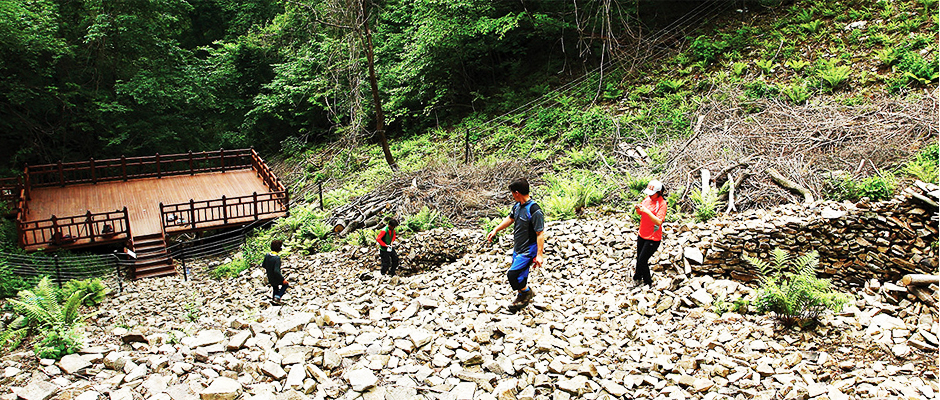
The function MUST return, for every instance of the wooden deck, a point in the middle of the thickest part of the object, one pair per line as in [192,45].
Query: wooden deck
[142,197]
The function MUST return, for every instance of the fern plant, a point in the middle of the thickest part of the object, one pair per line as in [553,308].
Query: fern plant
[834,75]
[797,94]
[767,66]
[796,65]
[738,68]
[92,290]
[706,206]
[58,323]
[791,291]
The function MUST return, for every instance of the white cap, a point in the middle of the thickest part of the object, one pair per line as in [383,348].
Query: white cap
[653,187]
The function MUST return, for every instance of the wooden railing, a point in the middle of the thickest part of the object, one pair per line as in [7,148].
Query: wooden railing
[80,229]
[11,190]
[207,214]
[270,180]
[125,168]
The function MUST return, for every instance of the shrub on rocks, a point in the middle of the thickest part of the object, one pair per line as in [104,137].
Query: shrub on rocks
[790,289]
[58,323]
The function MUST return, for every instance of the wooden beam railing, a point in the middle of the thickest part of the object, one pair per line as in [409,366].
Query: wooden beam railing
[89,228]
[206,214]
[271,180]
[125,168]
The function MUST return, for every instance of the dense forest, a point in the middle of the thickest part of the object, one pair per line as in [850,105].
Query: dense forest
[98,78]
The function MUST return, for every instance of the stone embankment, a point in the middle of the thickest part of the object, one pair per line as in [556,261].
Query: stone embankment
[443,333]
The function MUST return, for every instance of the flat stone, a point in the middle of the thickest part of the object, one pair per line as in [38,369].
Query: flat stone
[73,363]
[296,376]
[238,340]
[89,395]
[222,388]
[205,338]
[273,369]
[576,386]
[361,379]
[36,390]
[693,254]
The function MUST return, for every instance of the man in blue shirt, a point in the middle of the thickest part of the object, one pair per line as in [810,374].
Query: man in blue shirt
[528,240]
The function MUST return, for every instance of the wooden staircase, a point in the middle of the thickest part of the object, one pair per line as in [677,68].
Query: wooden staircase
[152,257]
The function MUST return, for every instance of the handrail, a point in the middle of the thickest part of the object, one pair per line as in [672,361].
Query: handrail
[228,210]
[79,229]
[125,168]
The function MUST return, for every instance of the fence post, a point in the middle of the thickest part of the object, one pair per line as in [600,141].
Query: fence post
[57,235]
[224,211]
[89,226]
[254,201]
[192,212]
[117,272]
[124,167]
[466,156]
[222,159]
[94,180]
[320,190]
[163,220]
[61,176]
[191,171]
[158,165]
[58,276]
[183,261]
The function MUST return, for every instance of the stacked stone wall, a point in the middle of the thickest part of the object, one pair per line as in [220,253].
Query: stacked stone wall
[856,241]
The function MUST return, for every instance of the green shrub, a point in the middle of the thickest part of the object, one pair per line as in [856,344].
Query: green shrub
[92,290]
[924,165]
[11,284]
[667,85]
[58,323]
[706,206]
[833,75]
[565,195]
[703,49]
[796,65]
[888,56]
[796,93]
[876,188]
[766,66]
[738,68]
[812,26]
[791,291]
[582,157]
[425,219]
[916,68]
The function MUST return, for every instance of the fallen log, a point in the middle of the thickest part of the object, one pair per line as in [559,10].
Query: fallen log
[919,279]
[791,185]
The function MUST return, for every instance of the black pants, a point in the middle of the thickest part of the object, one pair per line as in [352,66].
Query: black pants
[644,250]
[389,261]
[280,288]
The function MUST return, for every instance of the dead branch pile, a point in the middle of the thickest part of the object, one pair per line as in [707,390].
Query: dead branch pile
[461,193]
[803,143]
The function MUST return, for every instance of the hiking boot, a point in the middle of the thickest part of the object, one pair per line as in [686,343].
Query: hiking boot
[519,299]
[524,297]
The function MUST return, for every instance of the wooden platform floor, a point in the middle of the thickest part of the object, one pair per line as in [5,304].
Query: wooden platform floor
[142,196]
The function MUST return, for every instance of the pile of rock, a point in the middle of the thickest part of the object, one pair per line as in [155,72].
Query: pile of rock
[856,242]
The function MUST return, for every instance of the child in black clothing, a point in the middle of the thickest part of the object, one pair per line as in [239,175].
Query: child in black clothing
[272,266]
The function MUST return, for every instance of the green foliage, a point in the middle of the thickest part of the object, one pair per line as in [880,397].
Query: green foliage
[758,88]
[918,69]
[739,68]
[58,322]
[704,49]
[581,157]
[252,253]
[832,74]
[812,26]
[739,305]
[796,65]
[707,205]
[796,93]
[791,291]
[11,283]
[193,309]
[567,194]
[424,220]
[363,237]
[924,165]
[92,290]
[766,66]
[667,85]
[876,188]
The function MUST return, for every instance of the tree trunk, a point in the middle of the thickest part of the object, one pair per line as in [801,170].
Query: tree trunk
[919,280]
[379,115]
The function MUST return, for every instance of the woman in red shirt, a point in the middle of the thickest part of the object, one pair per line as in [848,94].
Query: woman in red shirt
[652,212]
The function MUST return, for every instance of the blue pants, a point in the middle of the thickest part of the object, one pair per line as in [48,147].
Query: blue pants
[518,273]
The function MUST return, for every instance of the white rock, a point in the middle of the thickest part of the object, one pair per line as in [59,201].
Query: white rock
[361,379]
[36,390]
[222,388]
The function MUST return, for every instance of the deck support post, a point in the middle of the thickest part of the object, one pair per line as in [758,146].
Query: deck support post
[224,211]
[222,159]
[89,225]
[158,166]
[61,175]
[192,212]
[254,202]
[191,171]
[94,180]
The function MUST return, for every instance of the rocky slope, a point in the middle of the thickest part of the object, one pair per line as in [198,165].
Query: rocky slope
[444,334]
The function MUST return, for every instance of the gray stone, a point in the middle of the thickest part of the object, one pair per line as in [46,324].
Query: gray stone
[273,370]
[694,254]
[222,388]
[36,390]
[361,379]
[205,338]
[73,363]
